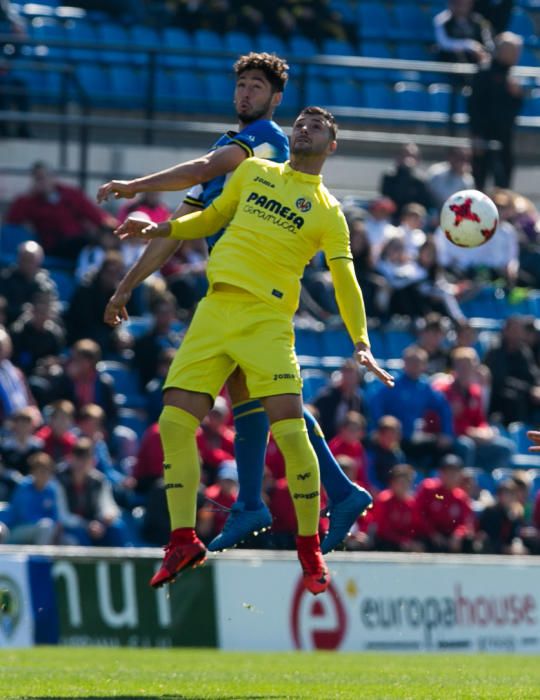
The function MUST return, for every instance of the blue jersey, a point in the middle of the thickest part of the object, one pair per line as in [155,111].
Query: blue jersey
[262,138]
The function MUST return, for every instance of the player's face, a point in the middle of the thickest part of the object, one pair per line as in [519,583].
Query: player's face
[254,97]
[311,135]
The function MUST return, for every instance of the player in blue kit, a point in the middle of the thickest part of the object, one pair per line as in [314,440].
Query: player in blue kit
[260,81]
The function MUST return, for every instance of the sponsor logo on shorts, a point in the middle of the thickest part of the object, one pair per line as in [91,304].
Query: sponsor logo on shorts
[306,496]
[304,476]
[274,211]
[284,376]
[178,485]
[166,466]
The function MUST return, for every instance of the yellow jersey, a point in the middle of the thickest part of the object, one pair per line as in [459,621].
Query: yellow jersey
[278,219]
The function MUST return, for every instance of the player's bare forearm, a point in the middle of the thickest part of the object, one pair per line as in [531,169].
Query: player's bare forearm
[154,256]
[179,177]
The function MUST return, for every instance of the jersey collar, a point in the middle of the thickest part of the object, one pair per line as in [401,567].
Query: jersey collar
[302,177]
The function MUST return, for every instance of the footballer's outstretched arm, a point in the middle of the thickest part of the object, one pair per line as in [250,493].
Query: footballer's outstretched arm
[179,177]
[199,224]
[154,256]
[351,307]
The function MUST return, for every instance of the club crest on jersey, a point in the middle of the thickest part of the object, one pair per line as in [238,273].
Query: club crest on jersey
[303,205]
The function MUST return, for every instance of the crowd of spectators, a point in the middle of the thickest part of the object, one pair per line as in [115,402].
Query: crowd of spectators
[435,451]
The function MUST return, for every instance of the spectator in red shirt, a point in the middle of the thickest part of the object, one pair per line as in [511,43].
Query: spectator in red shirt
[149,465]
[348,442]
[478,443]
[62,216]
[392,519]
[150,204]
[221,495]
[58,436]
[443,514]
[215,439]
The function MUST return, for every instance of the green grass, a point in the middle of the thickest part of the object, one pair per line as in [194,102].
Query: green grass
[63,672]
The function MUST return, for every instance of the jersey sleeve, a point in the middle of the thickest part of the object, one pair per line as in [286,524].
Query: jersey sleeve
[259,139]
[194,197]
[335,239]
[228,200]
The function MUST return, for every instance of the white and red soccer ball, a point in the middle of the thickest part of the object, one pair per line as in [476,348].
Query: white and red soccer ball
[469,218]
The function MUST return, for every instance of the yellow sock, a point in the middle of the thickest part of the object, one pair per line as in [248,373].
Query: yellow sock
[181,468]
[302,471]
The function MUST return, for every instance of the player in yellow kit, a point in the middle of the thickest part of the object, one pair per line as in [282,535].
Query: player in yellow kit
[277,216]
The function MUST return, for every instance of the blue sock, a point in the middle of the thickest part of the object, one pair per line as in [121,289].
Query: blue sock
[336,483]
[251,425]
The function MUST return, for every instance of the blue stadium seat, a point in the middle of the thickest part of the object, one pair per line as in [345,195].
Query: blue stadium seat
[271,44]
[218,90]
[65,284]
[174,38]
[190,90]
[45,29]
[411,96]
[335,47]
[308,342]
[411,22]
[302,47]
[377,95]
[317,91]
[95,81]
[528,57]
[291,99]
[485,480]
[126,384]
[373,19]
[313,380]
[377,49]
[518,433]
[205,40]
[138,325]
[238,43]
[128,86]
[396,342]
[165,89]
[522,23]
[108,34]
[11,236]
[336,343]
[84,32]
[378,346]
[439,97]
[143,36]
[412,51]
[344,93]
[132,419]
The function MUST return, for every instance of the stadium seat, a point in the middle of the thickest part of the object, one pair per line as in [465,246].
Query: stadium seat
[218,91]
[45,30]
[126,384]
[291,99]
[522,24]
[313,381]
[109,34]
[11,236]
[132,419]
[378,347]
[409,21]
[396,342]
[138,325]
[518,433]
[439,97]
[164,89]
[174,38]
[95,81]
[308,342]
[335,47]
[271,44]
[65,284]
[238,43]
[377,95]
[128,86]
[190,90]
[373,19]
[344,93]
[412,51]
[205,41]
[145,37]
[81,31]
[336,343]
[317,91]
[302,47]
[411,96]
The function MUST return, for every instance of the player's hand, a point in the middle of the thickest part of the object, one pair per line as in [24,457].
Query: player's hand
[135,228]
[534,436]
[119,188]
[366,359]
[115,311]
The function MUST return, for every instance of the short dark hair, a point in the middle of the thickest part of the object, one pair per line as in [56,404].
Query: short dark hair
[274,68]
[325,114]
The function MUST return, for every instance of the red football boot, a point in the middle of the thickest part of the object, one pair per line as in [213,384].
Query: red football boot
[316,575]
[185,550]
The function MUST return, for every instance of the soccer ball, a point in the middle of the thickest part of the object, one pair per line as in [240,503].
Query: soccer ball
[469,218]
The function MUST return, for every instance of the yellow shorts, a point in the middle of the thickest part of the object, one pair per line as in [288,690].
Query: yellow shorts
[235,329]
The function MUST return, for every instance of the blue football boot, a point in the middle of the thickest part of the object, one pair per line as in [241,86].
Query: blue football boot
[239,525]
[343,515]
